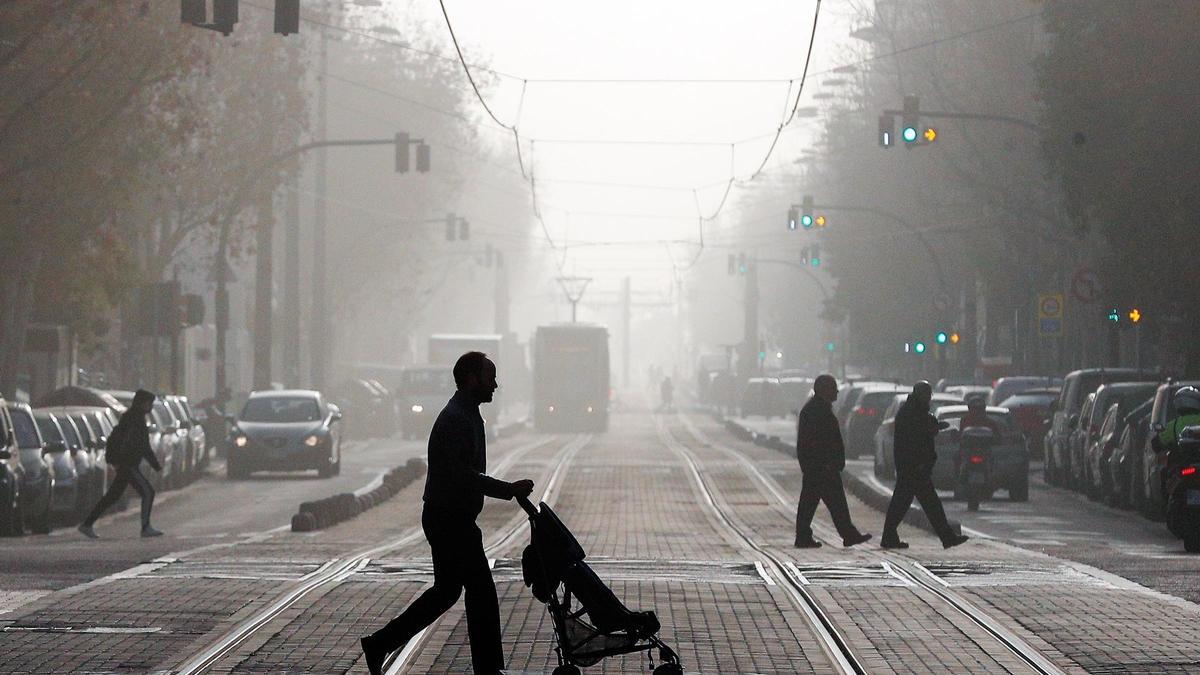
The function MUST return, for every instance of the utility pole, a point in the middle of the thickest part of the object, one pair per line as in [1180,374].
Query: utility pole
[319,348]
[626,318]
[291,289]
[263,281]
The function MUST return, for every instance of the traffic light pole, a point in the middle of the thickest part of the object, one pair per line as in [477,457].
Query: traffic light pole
[972,116]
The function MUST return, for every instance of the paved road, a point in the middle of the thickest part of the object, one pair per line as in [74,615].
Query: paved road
[678,516]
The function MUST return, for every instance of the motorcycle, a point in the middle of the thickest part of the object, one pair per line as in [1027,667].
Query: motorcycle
[974,466]
[1183,489]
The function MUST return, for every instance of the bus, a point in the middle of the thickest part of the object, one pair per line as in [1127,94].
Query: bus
[571,385]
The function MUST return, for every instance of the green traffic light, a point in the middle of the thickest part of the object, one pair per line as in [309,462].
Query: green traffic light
[919,347]
[806,220]
[909,134]
[942,338]
[829,346]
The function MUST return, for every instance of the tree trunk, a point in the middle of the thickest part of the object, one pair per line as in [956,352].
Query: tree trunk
[16,307]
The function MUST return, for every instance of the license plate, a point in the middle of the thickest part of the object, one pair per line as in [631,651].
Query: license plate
[1193,498]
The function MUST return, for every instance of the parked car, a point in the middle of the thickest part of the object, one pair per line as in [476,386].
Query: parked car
[65,499]
[1075,388]
[37,490]
[1007,387]
[92,438]
[848,398]
[422,393]
[1094,453]
[1009,457]
[1128,394]
[967,391]
[1031,408]
[12,476]
[1148,490]
[165,441]
[796,391]
[866,416]
[763,396]
[286,430]
[189,439]
[941,384]
[885,464]
[196,434]
[1125,455]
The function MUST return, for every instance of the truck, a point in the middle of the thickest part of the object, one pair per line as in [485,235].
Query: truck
[571,379]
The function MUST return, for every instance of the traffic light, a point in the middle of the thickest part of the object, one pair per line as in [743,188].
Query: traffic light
[806,212]
[815,256]
[909,132]
[941,338]
[919,347]
[1114,316]
[887,131]
[732,264]
[820,221]
[451,230]
[402,152]
[954,338]
[1135,315]
[742,269]
[793,218]
[423,159]
[287,16]
[804,255]
[829,346]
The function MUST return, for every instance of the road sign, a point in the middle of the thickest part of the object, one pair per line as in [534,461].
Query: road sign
[1050,314]
[1085,285]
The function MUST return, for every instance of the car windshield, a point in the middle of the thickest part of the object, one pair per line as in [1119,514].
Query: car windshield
[48,428]
[27,434]
[1023,400]
[281,409]
[177,410]
[68,428]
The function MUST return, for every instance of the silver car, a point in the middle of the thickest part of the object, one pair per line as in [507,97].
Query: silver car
[1010,457]
[289,430]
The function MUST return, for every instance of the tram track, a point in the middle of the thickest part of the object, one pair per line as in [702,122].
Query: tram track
[903,566]
[337,570]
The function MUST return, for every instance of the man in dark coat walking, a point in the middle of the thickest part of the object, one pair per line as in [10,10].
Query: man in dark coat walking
[822,457]
[455,486]
[915,456]
[128,444]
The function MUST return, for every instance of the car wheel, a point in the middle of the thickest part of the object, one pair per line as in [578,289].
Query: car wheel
[10,517]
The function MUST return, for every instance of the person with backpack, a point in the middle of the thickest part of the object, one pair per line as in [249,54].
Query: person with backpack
[128,445]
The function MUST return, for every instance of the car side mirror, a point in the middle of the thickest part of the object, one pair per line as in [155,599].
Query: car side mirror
[1072,421]
[54,448]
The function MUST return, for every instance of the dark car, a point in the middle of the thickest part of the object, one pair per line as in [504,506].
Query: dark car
[289,430]
[885,435]
[37,490]
[422,392]
[1125,455]
[65,500]
[12,474]
[1091,417]
[866,416]
[1076,386]
[1147,484]
[1031,408]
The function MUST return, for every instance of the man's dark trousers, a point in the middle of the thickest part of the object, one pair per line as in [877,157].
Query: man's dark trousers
[458,563]
[823,484]
[127,474]
[922,488]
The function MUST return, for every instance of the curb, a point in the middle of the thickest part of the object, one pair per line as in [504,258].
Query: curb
[855,485]
[323,513]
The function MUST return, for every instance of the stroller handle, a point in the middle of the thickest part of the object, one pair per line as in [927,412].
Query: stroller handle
[528,506]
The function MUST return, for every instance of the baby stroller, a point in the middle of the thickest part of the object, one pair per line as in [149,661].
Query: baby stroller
[600,626]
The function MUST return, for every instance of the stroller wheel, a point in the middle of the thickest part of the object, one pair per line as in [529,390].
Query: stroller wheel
[566,669]
[669,669]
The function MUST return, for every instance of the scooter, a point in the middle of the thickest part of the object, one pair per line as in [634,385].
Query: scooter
[974,466]
[1183,489]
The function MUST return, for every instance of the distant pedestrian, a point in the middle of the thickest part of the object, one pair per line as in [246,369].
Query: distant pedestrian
[666,392]
[915,454]
[454,490]
[128,444]
[822,457]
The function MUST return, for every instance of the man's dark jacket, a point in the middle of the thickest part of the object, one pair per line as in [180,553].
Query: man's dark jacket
[914,437]
[456,483]
[818,438]
[129,443]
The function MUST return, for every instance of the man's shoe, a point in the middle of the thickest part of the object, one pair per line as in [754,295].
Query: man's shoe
[955,540]
[856,539]
[148,531]
[808,543]
[373,656]
[88,531]
[892,543]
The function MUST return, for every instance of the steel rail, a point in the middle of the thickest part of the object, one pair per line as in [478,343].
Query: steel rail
[399,661]
[923,578]
[332,572]
[833,643]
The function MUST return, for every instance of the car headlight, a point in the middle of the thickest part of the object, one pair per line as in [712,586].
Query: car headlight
[550,408]
[418,408]
[312,441]
[589,408]
[241,441]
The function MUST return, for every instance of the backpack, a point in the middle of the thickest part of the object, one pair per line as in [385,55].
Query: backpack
[116,450]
